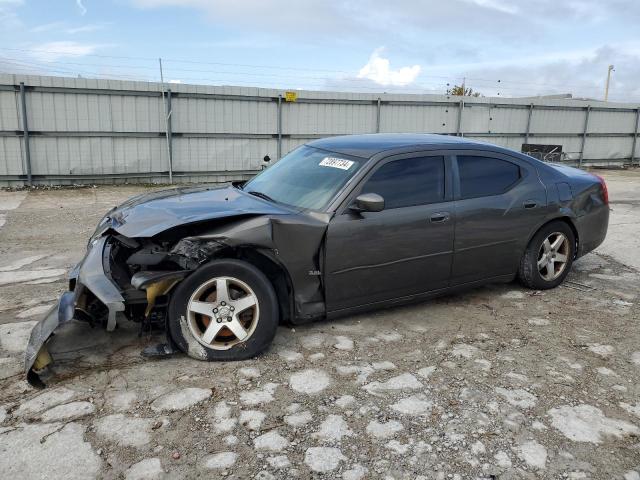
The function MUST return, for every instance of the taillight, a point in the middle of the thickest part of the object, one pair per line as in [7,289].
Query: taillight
[605,190]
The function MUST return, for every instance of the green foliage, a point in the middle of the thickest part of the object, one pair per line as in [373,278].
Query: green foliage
[468,92]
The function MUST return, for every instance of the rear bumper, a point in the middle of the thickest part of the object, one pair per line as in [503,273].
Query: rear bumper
[89,274]
[592,229]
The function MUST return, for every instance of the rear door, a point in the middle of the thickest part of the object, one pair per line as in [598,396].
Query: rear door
[402,250]
[499,200]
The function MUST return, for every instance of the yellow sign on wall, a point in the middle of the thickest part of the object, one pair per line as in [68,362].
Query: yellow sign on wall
[290,96]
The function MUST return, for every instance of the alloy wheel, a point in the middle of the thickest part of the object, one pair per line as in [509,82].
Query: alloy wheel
[223,312]
[553,256]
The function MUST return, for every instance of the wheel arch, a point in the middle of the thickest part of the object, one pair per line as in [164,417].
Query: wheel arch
[275,272]
[562,218]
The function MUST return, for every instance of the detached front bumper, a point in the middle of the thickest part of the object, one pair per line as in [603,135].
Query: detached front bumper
[90,274]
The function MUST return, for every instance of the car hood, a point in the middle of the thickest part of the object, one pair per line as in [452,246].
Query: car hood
[152,213]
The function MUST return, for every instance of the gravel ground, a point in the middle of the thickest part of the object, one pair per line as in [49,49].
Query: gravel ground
[499,382]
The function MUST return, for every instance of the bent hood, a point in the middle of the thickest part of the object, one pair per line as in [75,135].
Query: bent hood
[152,213]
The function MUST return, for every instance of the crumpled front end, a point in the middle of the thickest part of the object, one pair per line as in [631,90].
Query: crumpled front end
[89,278]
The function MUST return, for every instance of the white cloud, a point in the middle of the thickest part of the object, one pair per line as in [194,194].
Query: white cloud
[90,27]
[8,17]
[46,27]
[499,5]
[62,27]
[175,81]
[81,6]
[379,70]
[52,51]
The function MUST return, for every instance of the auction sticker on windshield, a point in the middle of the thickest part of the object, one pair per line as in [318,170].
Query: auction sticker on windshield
[334,162]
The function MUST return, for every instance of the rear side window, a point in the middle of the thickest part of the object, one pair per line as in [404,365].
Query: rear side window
[407,182]
[484,176]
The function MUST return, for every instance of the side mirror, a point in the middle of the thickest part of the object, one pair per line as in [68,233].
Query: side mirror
[368,202]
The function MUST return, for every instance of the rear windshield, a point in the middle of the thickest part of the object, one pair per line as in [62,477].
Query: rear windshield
[306,178]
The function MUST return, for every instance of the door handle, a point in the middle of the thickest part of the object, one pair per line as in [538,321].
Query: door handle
[530,204]
[439,217]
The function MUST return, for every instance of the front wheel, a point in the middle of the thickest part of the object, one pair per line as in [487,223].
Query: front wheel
[225,310]
[548,257]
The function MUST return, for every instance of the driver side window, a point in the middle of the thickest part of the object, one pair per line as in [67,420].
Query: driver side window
[409,182]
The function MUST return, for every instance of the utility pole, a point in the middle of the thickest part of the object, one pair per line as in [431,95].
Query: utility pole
[464,81]
[606,87]
[166,124]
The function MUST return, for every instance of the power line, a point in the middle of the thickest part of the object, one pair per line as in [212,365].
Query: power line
[306,81]
[501,82]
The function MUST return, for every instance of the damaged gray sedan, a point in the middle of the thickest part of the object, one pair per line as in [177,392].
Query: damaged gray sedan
[339,225]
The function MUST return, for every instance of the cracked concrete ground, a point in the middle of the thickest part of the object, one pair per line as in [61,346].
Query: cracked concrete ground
[498,382]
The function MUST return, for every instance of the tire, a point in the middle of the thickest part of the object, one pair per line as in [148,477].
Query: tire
[191,330]
[535,270]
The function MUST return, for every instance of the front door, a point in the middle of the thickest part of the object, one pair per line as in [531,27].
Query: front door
[403,250]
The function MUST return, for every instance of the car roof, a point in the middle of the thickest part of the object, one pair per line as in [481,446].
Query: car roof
[368,145]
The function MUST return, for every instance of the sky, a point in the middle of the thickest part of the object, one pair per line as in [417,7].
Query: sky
[506,48]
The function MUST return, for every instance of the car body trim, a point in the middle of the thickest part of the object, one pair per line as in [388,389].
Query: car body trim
[407,259]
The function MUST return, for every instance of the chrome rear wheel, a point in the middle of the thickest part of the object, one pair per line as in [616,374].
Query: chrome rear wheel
[548,257]
[553,256]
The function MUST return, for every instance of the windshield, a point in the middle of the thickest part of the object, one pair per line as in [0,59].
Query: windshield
[305,178]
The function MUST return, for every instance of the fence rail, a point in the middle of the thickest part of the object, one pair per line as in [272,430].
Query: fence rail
[56,130]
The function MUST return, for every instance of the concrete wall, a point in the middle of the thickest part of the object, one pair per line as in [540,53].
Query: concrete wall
[97,131]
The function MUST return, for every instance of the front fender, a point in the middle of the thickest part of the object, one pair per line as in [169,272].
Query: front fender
[59,314]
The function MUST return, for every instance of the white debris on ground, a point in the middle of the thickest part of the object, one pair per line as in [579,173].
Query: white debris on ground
[290,355]
[249,372]
[413,405]
[147,469]
[271,441]
[538,322]
[343,343]
[602,350]
[68,411]
[222,419]
[586,423]
[384,430]
[220,460]
[14,336]
[309,381]
[124,431]
[45,401]
[259,396]
[403,382]
[252,419]
[180,399]
[323,459]
[279,462]
[518,397]
[22,262]
[51,450]
[332,429]
[463,350]
[533,454]
[23,276]
[36,311]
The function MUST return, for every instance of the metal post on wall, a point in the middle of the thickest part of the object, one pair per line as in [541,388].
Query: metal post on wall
[25,133]
[526,133]
[635,138]
[460,112]
[378,116]
[279,126]
[584,134]
[169,135]
[167,120]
